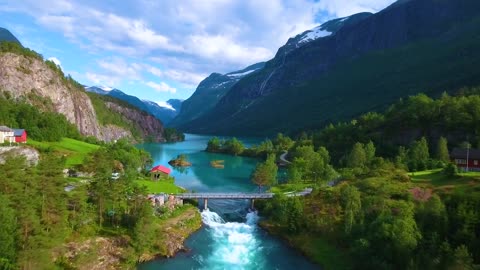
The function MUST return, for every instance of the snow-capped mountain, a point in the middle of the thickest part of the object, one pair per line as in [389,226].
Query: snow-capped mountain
[209,92]
[164,113]
[102,90]
[366,62]
[324,30]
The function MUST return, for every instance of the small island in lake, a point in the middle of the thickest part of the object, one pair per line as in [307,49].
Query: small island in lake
[180,161]
[219,164]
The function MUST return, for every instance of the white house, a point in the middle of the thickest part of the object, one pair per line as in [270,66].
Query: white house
[6,135]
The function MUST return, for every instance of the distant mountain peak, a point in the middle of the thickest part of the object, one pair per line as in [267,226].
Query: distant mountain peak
[163,110]
[6,35]
[106,88]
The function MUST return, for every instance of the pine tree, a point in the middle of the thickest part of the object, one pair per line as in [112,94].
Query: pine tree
[357,157]
[265,173]
[8,232]
[442,150]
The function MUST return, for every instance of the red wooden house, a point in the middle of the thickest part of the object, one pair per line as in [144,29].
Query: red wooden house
[466,158]
[159,171]
[20,135]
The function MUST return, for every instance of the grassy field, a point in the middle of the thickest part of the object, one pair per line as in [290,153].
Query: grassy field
[438,180]
[165,186]
[75,151]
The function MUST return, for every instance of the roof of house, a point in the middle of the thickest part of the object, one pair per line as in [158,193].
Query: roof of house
[5,129]
[18,132]
[462,153]
[161,168]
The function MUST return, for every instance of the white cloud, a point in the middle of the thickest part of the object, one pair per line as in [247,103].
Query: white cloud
[118,67]
[227,49]
[56,61]
[189,39]
[184,77]
[155,71]
[164,104]
[161,87]
[101,79]
[342,8]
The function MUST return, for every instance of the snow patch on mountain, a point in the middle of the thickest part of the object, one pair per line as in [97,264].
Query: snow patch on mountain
[313,34]
[106,88]
[238,75]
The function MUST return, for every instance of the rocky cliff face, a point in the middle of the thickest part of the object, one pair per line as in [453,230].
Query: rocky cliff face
[22,77]
[147,124]
[31,79]
[31,154]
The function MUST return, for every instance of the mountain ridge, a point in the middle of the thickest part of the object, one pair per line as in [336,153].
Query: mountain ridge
[26,76]
[297,86]
[209,91]
[163,114]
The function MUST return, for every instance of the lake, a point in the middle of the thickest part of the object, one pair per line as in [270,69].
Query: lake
[230,237]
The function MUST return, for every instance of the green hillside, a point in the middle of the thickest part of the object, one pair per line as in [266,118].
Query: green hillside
[74,151]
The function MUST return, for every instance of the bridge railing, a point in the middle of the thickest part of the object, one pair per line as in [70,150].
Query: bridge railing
[225,195]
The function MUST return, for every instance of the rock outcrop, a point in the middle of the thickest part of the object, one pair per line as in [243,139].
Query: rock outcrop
[33,80]
[147,124]
[31,155]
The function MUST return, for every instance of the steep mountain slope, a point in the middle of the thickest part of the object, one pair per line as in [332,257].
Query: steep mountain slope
[25,76]
[367,62]
[209,92]
[163,114]
[5,35]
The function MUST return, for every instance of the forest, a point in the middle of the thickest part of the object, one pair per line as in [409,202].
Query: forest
[39,216]
[40,125]
[386,195]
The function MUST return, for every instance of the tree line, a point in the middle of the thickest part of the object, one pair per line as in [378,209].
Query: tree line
[40,125]
[374,213]
[38,215]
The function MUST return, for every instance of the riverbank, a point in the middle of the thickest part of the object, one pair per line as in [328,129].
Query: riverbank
[172,231]
[116,252]
[315,248]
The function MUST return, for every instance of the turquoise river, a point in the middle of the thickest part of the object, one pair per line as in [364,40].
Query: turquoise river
[230,238]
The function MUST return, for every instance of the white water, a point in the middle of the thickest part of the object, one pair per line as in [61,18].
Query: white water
[234,245]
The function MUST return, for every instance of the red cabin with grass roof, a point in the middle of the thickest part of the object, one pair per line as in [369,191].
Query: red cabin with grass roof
[158,171]
[464,157]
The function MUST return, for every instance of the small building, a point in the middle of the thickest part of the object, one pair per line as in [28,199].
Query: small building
[459,157]
[159,171]
[20,135]
[6,135]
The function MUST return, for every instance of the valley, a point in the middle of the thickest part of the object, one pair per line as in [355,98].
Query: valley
[347,133]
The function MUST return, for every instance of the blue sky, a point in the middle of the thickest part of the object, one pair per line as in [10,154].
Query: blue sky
[162,49]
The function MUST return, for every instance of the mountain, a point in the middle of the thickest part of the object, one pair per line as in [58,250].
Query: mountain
[25,76]
[176,104]
[6,35]
[366,62]
[164,114]
[209,92]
